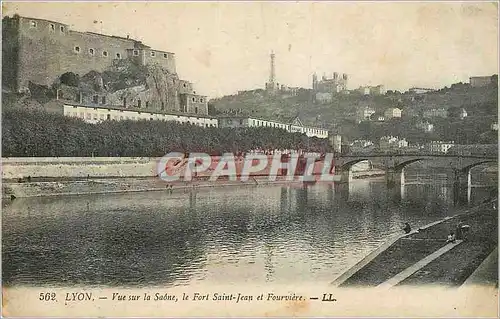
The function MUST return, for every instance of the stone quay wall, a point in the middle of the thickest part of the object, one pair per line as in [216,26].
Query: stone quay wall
[78,167]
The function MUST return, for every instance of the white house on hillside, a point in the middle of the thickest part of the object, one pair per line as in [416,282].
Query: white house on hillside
[392,113]
[392,142]
[440,146]
[365,113]
[425,126]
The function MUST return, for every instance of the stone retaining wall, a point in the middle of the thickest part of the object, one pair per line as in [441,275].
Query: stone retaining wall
[14,168]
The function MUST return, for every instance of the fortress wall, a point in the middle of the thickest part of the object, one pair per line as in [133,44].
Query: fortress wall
[83,62]
[39,51]
[45,54]
[46,51]
[10,49]
[164,59]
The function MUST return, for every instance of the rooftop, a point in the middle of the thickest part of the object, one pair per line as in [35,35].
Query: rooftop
[16,16]
[138,110]
[113,36]
[287,121]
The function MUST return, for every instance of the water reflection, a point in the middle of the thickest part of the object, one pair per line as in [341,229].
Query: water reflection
[282,234]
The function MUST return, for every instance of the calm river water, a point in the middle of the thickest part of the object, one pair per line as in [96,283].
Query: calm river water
[254,234]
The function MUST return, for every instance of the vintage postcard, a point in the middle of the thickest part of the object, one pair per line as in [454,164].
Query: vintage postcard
[249,159]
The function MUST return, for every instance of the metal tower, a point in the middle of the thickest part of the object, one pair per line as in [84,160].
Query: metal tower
[272,75]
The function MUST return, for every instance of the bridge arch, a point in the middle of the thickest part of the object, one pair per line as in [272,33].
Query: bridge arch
[400,166]
[349,164]
[470,166]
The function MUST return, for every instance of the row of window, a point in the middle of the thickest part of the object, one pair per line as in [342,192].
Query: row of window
[77,49]
[178,116]
[118,55]
[194,99]
[283,126]
[95,100]
[92,52]
[152,54]
[315,131]
[102,117]
[266,124]
[52,26]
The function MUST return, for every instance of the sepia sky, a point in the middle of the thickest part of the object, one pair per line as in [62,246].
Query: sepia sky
[223,47]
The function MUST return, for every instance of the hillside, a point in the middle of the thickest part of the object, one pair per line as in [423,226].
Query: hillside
[124,80]
[340,115]
[256,102]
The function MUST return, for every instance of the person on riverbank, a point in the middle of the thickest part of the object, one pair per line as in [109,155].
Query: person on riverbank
[465,232]
[451,238]
[407,228]
[459,230]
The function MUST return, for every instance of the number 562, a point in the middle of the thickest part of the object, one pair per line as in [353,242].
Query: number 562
[47,296]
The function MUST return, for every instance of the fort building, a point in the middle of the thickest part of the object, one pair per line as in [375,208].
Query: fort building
[39,51]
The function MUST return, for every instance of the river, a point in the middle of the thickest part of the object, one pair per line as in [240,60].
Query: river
[227,235]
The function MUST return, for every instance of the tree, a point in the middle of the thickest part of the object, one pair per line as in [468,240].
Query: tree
[38,133]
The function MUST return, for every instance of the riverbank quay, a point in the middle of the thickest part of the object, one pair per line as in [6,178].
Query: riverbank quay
[51,186]
[394,264]
[486,274]
[65,187]
[45,176]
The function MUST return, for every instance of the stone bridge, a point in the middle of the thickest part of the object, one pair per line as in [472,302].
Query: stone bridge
[394,164]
